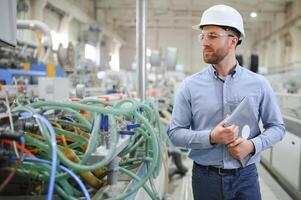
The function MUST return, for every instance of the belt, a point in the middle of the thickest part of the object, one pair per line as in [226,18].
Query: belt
[219,171]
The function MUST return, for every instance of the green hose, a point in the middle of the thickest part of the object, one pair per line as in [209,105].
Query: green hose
[145,187]
[75,114]
[96,101]
[80,126]
[152,167]
[63,194]
[94,139]
[150,137]
[105,161]
[131,160]
[82,140]
[78,106]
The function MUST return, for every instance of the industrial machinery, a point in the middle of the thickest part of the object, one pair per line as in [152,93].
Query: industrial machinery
[91,148]
[53,147]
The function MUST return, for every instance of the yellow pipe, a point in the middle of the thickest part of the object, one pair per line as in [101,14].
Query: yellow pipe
[88,177]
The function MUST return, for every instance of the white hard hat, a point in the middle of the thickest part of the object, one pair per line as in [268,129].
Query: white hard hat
[222,15]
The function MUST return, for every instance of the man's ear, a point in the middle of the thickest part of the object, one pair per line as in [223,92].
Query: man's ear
[234,42]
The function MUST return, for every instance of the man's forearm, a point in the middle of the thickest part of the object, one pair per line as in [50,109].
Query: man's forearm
[191,139]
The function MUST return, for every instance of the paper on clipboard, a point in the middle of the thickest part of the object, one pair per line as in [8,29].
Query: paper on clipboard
[242,117]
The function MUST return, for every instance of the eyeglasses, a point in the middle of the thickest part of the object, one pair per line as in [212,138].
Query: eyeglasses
[212,36]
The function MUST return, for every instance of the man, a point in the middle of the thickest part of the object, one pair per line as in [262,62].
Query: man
[205,99]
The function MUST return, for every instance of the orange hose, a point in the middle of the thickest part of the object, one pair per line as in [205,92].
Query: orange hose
[20,147]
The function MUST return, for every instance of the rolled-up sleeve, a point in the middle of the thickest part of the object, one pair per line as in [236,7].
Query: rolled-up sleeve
[179,130]
[274,129]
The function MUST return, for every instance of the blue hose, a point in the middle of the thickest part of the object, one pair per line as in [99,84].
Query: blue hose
[53,150]
[53,153]
[79,182]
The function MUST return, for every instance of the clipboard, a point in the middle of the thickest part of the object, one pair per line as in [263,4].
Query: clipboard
[241,117]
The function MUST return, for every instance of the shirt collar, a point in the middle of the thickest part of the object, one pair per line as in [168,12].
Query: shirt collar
[234,74]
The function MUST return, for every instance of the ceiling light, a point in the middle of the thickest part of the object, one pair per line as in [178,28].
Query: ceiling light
[253,14]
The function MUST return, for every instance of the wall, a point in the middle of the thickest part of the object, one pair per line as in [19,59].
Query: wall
[74,30]
[72,17]
[87,6]
[279,43]
[185,40]
[38,10]
[52,19]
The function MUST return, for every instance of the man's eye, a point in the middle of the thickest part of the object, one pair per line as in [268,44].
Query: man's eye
[212,37]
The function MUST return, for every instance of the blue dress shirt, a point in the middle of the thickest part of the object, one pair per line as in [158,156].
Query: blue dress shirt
[203,100]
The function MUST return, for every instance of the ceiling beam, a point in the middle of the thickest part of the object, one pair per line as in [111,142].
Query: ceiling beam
[119,16]
[83,17]
[260,5]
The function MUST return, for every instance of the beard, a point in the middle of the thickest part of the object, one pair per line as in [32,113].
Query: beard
[212,56]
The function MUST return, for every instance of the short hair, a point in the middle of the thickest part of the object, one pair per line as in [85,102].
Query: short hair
[234,31]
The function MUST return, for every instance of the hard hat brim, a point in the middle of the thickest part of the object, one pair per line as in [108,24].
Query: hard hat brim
[199,27]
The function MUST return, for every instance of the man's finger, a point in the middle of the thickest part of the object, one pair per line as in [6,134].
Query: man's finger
[222,123]
[236,130]
[235,142]
[230,128]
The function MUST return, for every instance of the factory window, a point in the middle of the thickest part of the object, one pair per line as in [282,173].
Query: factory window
[90,52]
[59,38]
[114,62]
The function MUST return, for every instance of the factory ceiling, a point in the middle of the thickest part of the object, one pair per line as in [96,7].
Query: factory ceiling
[181,14]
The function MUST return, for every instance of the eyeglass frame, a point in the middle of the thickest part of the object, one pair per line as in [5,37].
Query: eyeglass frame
[203,36]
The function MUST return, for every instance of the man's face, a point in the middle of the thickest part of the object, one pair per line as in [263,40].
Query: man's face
[215,43]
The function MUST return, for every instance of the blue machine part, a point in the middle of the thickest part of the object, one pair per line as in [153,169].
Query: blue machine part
[104,124]
[59,71]
[126,132]
[7,76]
[132,126]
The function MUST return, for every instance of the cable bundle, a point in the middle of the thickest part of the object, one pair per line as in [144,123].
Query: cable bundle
[69,133]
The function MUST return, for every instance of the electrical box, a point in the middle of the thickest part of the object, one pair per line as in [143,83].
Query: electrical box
[8,23]
[53,89]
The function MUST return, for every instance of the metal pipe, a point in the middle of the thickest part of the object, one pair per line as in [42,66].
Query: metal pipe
[113,171]
[35,24]
[141,48]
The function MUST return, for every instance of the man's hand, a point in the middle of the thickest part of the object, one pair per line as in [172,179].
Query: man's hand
[222,135]
[240,148]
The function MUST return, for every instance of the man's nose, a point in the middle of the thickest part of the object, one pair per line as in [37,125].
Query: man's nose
[205,43]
